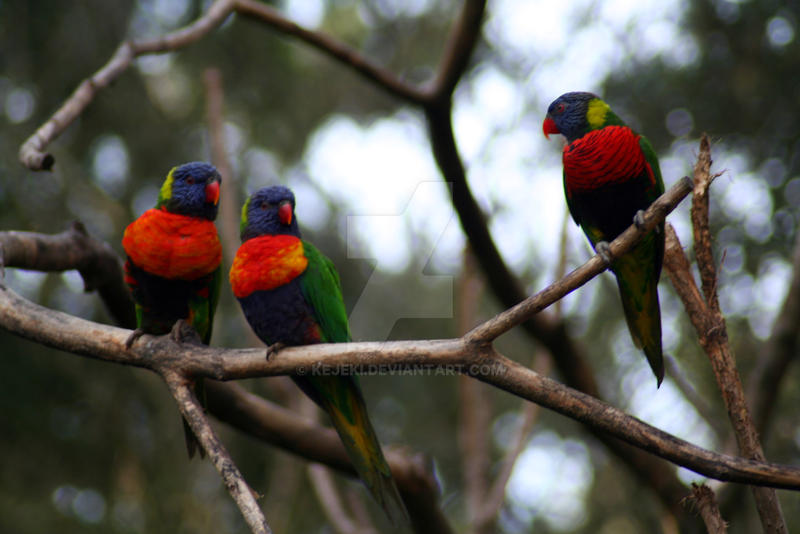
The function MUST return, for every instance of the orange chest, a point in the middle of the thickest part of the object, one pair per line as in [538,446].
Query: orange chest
[266,262]
[173,246]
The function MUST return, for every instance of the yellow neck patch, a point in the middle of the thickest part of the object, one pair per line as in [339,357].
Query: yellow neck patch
[165,193]
[596,115]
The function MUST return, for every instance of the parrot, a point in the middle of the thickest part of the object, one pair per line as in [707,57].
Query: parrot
[290,294]
[611,175]
[173,260]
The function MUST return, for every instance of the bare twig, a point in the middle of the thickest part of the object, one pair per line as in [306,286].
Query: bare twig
[229,199]
[542,364]
[705,501]
[337,50]
[710,325]
[216,452]
[475,413]
[32,154]
[332,504]
[700,226]
[516,315]
[495,497]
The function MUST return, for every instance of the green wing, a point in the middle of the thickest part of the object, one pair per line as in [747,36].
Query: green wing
[340,396]
[204,304]
[323,291]
[652,159]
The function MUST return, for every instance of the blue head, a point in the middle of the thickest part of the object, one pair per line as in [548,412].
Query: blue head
[575,114]
[269,211]
[191,189]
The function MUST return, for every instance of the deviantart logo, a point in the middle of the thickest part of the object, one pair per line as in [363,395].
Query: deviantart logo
[380,283]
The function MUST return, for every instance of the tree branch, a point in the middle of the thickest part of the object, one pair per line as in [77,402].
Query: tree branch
[74,248]
[458,51]
[495,496]
[335,49]
[32,154]
[505,321]
[234,481]
[229,198]
[331,501]
[705,501]
[465,355]
[59,330]
[474,403]
[707,319]
[284,428]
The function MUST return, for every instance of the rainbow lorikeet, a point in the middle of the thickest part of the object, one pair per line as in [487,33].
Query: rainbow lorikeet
[611,174]
[173,259]
[291,295]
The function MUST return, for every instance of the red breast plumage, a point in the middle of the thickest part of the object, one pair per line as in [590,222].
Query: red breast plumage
[173,246]
[607,156]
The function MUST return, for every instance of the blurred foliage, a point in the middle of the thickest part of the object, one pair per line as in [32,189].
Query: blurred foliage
[91,447]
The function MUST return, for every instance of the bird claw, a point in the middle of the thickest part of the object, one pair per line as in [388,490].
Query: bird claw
[136,334]
[183,332]
[638,219]
[275,348]
[604,251]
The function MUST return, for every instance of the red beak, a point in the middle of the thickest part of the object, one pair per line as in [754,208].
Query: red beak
[285,213]
[549,127]
[212,192]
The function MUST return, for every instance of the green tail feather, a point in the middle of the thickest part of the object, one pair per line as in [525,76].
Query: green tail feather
[341,398]
[638,289]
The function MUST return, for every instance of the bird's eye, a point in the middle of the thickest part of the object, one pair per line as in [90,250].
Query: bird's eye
[190,180]
[560,107]
[264,206]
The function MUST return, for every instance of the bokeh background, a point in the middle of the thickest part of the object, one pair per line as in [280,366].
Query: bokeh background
[93,447]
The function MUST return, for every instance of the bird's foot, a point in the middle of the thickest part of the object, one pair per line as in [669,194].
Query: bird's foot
[275,348]
[638,219]
[136,334]
[183,332]
[604,251]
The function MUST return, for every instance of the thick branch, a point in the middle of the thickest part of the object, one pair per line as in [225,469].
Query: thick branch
[73,334]
[337,50]
[97,263]
[458,51]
